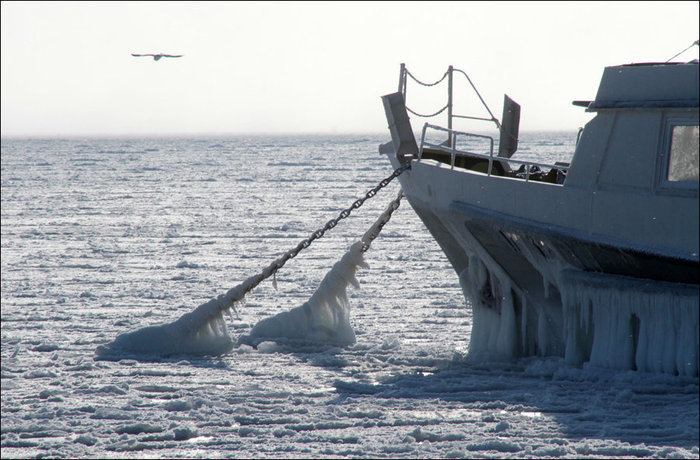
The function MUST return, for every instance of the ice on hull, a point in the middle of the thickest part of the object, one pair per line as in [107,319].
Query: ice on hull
[605,320]
[623,322]
[625,207]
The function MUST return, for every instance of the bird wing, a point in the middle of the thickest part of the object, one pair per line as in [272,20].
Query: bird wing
[137,55]
[173,55]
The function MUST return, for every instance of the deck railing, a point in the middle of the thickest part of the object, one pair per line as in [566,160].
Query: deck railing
[454,152]
[450,145]
[449,74]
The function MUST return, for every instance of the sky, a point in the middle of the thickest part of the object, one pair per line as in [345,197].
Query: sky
[313,67]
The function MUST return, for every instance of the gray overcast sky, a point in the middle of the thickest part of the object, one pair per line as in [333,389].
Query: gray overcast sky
[293,67]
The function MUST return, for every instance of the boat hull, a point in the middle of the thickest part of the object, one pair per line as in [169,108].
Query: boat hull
[595,260]
[548,290]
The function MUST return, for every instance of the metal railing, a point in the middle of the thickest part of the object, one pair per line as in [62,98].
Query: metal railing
[405,73]
[450,145]
[455,152]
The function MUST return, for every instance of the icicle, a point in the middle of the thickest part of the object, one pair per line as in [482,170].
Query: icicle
[662,316]
[235,310]
[523,322]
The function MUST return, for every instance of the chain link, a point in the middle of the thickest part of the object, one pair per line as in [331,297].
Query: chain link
[426,84]
[427,116]
[374,231]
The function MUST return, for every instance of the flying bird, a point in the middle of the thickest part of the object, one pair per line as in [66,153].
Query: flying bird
[158,56]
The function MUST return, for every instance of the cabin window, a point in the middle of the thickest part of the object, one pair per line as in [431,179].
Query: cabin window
[683,155]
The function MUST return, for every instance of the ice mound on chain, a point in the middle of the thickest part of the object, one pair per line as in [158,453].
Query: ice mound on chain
[325,317]
[200,332]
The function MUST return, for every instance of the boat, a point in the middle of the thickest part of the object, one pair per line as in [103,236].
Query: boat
[594,260]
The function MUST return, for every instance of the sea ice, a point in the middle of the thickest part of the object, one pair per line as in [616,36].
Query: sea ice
[132,223]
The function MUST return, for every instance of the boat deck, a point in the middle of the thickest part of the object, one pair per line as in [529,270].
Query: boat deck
[500,167]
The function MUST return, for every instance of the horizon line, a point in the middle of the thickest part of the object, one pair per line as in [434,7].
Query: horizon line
[239,134]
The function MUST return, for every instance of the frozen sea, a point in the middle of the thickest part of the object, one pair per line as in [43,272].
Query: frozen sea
[105,236]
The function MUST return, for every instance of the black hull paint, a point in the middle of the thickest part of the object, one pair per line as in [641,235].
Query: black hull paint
[503,238]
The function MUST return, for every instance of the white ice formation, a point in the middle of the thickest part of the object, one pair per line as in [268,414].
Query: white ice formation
[602,320]
[202,331]
[631,324]
[325,317]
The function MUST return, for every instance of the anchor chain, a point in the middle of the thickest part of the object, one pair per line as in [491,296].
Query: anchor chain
[375,229]
[227,302]
[279,263]
[236,294]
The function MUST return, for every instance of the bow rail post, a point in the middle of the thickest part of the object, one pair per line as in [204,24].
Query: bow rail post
[449,104]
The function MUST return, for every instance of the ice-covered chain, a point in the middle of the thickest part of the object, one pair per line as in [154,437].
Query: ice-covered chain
[227,302]
[375,229]
[279,263]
